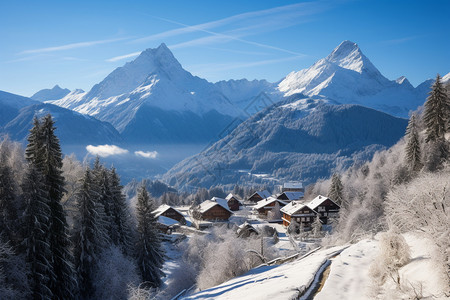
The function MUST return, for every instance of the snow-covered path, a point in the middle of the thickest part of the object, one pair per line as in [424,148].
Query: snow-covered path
[284,281]
[349,278]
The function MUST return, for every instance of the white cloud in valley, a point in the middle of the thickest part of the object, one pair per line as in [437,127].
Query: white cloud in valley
[105,150]
[147,154]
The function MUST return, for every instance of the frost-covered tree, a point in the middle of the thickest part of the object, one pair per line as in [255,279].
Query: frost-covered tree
[394,254]
[35,228]
[274,213]
[437,112]
[44,152]
[336,189]
[317,227]
[88,237]
[413,153]
[149,252]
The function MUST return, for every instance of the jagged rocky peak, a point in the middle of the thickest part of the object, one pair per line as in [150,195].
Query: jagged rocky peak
[402,80]
[349,56]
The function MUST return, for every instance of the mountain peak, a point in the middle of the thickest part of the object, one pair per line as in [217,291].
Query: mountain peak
[54,93]
[348,55]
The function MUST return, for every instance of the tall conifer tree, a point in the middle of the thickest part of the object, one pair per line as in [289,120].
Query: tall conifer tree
[437,112]
[149,252]
[413,152]
[336,189]
[35,229]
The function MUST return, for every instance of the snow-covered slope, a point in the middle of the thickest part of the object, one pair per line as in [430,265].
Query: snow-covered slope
[54,93]
[348,76]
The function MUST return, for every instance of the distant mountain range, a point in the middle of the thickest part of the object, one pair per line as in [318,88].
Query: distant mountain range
[153,100]
[300,138]
[17,113]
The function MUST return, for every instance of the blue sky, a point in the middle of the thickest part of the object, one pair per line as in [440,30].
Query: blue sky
[77,43]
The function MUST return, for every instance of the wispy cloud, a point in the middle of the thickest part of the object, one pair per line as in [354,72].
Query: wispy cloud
[400,40]
[105,150]
[257,19]
[117,58]
[240,65]
[71,46]
[147,154]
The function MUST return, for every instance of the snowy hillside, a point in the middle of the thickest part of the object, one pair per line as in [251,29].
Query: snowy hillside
[347,276]
[297,138]
[348,76]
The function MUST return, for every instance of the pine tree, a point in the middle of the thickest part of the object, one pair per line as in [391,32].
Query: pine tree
[35,228]
[149,252]
[336,191]
[317,227]
[437,112]
[122,233]
[88,237]
[8,209]
[44,152]
[413,152]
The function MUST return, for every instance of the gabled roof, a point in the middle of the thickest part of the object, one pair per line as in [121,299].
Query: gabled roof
[267,201]
[293,207]
[230,195]
[208,204]
[294,195]
[293,185]
[263,194]
[221,201]
[319,200]
[162,209]
[167,221]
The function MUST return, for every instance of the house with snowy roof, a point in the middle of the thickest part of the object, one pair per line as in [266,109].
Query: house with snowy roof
[290,196]
[305,212]
[258,196]
[325,207]
[293,186]
[212,211]
[166,225]
[298,211]
[233,202]
[169,212]
[266,205]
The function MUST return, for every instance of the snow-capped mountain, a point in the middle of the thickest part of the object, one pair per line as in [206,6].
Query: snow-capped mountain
[296,138]
[54,93]
[139,98]
[17,113]
[348,76]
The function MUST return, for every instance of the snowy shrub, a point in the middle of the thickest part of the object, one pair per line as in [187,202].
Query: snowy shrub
[114,274]
[423,205]
[13,274]
[394,253]
[222,255]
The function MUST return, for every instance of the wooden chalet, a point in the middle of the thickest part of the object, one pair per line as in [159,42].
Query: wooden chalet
[299,212]
[290,196]
[212,211]
[246,230]
[167,225]
[293,186]
[266,205]
[233,202]
[325,207]
[170,212]
[258,196]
